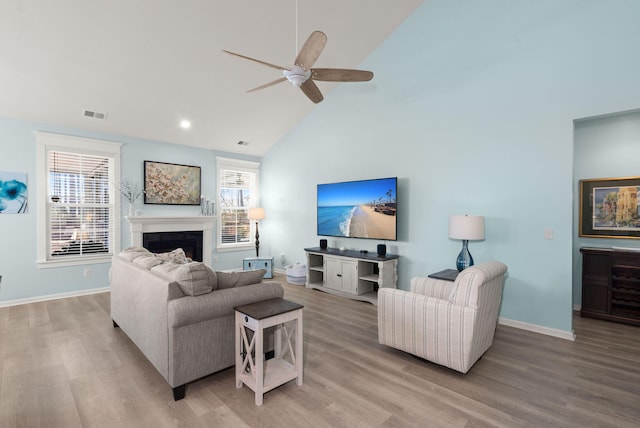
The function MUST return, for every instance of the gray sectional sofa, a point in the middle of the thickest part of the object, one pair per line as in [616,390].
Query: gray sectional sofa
[180,313]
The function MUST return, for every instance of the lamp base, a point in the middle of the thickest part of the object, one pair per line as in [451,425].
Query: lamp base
[257,241]
[464,259]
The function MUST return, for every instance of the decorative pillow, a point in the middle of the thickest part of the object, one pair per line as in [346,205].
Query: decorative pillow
[175,256]
[133,253]
[147,261]
[193,278]
[239,279]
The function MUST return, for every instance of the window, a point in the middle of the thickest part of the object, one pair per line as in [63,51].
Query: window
[237,192]
[78,210]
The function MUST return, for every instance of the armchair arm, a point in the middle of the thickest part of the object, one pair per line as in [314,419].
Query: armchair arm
[432,287]
[431,328]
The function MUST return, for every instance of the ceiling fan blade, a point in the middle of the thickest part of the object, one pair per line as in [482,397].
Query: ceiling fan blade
[266,85]
[256,60]
[311,50]
[340,75]
[312,91]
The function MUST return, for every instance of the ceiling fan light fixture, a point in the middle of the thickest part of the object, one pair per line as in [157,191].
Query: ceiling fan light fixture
[297,75]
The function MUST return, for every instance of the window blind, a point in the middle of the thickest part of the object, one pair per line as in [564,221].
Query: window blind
[236,188]
[80,212]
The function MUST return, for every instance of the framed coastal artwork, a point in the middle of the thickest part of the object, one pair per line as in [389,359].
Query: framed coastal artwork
[13,193]
[171,184]
[609,208]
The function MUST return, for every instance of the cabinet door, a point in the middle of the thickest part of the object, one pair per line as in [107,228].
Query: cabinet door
[333,273]
[595,283]
[350,277]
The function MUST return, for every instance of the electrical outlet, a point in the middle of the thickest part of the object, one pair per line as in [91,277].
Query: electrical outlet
[215,258]
[87,273]
[548,233]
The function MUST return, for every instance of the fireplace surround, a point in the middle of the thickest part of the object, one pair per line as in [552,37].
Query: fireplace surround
[141,225]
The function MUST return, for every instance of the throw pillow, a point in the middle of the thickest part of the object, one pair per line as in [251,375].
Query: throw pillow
[147,261]
[239,279]
[175,256]
[133,253]
[193,278]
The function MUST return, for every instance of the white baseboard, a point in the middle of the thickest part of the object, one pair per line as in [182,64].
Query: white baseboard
[577,307]
[562,334]
[37,299]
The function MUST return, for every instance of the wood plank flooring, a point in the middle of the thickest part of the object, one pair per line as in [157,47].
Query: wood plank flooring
[62,364]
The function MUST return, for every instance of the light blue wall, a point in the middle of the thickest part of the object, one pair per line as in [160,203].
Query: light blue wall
[605,147]
[18,240]
[472,107]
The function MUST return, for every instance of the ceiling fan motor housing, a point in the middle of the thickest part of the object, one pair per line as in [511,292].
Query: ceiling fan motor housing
[297,75]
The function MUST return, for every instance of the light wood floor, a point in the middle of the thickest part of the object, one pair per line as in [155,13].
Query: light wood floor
[62,364]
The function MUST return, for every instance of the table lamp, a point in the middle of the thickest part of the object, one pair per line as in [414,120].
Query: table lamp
[467,228]
[256,214]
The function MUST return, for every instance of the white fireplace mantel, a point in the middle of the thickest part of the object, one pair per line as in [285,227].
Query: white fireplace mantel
[147,224]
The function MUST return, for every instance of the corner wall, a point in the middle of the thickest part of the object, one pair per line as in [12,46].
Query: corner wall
[472,107]
[605,147]
[22,281]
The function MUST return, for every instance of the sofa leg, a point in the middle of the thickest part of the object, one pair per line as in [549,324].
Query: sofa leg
[115,324]
[179,392]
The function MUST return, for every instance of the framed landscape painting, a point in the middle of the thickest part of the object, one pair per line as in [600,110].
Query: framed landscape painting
[171,184]
[609,208]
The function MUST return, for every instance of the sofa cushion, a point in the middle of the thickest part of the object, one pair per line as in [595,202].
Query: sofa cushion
[133,253]
[175,256]
[147,261]
[193,278]
[238,279]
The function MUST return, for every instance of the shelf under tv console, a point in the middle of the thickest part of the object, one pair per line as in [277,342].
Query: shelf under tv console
[349,273]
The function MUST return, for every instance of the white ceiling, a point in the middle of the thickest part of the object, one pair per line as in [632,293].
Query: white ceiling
[150,63]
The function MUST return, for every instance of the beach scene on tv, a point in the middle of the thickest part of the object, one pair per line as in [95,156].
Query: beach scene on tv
[358,209]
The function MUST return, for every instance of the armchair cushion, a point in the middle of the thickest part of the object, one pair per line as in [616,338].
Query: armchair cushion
[432,287]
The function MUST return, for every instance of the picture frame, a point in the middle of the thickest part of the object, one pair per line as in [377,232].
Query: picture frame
[609,208]
[13,192]
[171,184]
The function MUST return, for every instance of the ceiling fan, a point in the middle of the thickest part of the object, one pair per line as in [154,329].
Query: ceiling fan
[302,76]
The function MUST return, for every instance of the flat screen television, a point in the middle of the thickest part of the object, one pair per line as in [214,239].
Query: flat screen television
[359,209]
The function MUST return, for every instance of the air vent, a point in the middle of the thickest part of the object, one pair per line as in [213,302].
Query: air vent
[94,114]
[243,143]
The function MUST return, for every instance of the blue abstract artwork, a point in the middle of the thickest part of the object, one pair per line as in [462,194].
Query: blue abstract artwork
[13,193]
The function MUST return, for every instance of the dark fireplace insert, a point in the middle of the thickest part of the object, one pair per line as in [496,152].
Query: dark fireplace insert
[163,242]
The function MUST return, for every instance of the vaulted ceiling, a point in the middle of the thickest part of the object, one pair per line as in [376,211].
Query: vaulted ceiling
[148,64]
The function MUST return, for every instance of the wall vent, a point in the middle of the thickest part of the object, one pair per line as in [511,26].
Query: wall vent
[94,114]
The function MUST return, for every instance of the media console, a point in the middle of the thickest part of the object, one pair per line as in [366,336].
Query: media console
[350,273]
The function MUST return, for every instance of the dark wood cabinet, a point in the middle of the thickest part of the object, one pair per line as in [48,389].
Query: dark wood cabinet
[611,284]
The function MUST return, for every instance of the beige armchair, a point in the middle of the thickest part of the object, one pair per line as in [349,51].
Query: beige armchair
[448,323]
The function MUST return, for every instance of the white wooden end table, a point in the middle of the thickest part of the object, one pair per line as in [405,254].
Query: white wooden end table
[252,369]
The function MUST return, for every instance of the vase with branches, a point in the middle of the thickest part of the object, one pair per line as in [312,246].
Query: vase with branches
[131,191]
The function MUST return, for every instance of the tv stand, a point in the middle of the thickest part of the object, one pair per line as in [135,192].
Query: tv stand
[350,273]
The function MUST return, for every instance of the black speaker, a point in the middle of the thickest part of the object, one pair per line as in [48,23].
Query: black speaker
[323,244]
[382,250]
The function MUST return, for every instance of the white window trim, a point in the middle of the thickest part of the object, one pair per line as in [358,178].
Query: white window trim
[241,165]
[49,141]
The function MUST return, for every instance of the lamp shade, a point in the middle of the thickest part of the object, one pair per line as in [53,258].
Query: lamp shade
[466,227]
[256,213]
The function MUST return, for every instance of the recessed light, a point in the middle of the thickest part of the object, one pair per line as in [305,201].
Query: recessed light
[185,124]
[243,143]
